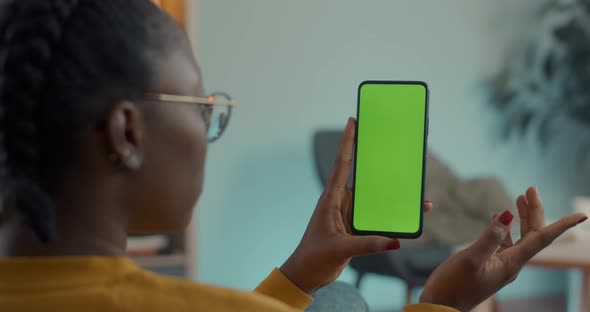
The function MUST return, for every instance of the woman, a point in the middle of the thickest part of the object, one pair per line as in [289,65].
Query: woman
[104,129]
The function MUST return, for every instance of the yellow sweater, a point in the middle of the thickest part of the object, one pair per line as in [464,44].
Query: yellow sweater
[116,284]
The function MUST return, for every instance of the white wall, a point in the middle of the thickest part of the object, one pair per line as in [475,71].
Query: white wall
[293,67]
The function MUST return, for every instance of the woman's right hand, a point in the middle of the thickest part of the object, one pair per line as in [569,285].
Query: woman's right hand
[471,276]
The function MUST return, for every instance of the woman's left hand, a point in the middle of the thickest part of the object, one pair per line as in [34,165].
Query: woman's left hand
[328,243]
[471,276]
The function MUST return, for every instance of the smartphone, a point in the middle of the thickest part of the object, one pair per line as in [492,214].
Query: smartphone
[390,157]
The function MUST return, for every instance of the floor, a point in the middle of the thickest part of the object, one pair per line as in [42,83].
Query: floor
[555,304]
[551,304]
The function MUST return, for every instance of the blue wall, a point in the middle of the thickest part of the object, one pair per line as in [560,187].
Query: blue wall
[293,66]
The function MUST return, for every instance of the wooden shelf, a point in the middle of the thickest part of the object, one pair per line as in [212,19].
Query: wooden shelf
[161,261]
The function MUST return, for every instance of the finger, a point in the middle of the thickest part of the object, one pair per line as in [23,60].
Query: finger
[535,210]
[341,169]
[506,243]
[492,237]
[523,207]
[427,206]
[529,246]
[346,211]
[367,245]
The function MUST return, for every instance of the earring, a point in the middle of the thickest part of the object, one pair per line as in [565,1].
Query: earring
[132,161]
[114,157]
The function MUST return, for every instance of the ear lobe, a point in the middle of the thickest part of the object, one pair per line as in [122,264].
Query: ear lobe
[124,131]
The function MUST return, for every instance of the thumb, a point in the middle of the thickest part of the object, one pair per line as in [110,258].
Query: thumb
[493,236]
[367,245]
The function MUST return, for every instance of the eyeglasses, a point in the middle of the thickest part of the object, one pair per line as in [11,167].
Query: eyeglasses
[216,109]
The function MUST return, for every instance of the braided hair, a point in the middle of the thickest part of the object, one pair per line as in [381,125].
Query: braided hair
[61,61]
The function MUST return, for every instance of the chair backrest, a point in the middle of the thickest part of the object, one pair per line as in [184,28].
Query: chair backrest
[326,144]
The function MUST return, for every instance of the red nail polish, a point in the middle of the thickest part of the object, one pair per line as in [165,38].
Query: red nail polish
[393,245]
[506,217]
[582,220]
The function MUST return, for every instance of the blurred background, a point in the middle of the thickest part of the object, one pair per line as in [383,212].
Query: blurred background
[507,105]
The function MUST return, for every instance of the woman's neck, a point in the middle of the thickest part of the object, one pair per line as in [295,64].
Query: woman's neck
[79,233]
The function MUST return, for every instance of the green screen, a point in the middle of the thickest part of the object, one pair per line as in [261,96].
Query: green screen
[390,157]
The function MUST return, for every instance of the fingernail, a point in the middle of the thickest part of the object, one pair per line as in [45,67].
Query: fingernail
[393,245]
[582,220]
[537,189]
[429,202]
[506,217]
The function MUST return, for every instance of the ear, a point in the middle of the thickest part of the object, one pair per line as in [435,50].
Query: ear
[125,133]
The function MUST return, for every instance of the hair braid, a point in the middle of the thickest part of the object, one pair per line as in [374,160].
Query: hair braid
[29,35]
